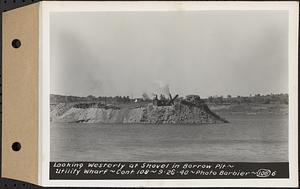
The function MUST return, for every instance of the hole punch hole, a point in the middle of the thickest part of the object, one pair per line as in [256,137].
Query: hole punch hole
[16,43]
[16,146]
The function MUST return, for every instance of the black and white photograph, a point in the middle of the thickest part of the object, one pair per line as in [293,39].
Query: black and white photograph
[169,86]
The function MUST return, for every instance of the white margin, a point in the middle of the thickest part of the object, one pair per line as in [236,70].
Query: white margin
[44,91]
[40,106]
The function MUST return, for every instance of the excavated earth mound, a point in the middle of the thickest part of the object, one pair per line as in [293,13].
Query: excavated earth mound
[181,112]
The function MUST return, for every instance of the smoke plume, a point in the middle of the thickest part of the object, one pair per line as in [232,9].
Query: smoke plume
[162,88]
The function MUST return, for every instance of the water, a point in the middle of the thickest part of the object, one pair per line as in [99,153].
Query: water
[247,138]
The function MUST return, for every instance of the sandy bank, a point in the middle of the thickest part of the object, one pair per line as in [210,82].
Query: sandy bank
[174,114]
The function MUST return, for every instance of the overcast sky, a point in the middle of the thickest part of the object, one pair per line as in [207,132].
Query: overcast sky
[200,52]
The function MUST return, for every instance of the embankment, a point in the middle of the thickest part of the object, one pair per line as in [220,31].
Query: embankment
[179,113]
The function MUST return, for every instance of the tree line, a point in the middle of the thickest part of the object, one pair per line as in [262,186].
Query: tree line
[257,98]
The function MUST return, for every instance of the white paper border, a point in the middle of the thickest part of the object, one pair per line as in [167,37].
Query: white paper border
[44,88]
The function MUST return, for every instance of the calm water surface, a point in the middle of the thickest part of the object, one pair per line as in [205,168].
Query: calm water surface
[247,138]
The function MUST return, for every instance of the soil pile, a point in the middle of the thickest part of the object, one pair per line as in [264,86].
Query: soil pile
[182,112]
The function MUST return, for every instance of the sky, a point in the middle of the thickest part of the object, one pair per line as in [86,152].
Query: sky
[190,52]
